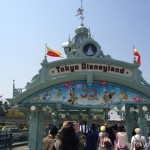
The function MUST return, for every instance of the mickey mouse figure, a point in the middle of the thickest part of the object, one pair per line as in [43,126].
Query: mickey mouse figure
[73,97]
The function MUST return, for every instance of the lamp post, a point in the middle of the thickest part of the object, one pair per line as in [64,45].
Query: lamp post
[142,121]
[36,130]
[142,114]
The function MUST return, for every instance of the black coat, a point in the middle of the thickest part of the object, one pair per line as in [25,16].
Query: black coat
[92,140]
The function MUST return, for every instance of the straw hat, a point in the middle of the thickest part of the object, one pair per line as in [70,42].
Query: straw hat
[102,128]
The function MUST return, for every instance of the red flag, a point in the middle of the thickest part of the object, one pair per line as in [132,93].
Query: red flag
[53,53]
[137,55]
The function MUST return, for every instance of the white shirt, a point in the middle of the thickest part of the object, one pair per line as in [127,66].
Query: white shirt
[138,137]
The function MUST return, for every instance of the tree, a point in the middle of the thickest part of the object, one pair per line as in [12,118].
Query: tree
[14,113]
[2,112]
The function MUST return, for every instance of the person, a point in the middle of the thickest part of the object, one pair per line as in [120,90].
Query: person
[138,138]
[69,137]
[102,132]
[148,131]
[92,138]
[121,138]
[49,139]
[111,135]
[105,143]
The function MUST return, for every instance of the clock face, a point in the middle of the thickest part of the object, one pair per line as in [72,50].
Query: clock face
[89,49]
[81,39]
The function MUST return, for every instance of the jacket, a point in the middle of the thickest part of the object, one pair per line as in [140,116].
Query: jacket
[121,139]
[48,142]
[82,141]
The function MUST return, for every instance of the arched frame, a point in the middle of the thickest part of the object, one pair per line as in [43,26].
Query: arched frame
[80,94]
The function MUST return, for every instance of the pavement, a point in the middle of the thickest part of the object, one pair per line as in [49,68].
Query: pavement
[21,148]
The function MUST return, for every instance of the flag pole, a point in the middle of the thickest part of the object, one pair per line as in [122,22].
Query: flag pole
[134,59]
[13,88]
[133,50]
[45,51]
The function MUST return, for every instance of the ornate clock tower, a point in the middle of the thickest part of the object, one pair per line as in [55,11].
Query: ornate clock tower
[82,44]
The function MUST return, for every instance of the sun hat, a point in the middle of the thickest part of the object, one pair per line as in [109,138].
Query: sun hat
[102,128]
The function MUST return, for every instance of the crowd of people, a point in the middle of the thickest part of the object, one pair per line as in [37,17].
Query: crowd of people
[69,137]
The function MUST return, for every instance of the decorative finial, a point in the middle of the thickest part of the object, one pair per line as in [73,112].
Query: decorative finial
[13,84]
[69,38]
[13,88]
[89,33]
[45,57]
[80,12]
[134,61]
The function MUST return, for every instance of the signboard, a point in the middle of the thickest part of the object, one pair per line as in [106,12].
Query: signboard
[59,70]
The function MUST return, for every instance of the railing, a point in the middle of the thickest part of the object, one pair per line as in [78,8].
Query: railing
[20,136]
[5,141]
[8,140]
[4,119]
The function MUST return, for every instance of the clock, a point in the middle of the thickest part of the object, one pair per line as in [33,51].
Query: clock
[81,38]
[89,49]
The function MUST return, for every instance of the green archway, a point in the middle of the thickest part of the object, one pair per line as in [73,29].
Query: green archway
[88,83]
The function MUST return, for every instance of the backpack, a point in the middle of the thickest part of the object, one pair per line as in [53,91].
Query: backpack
[139,145]
[102,144]
[108,144]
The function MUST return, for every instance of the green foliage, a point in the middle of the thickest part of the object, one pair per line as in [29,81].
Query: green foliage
[14,113]
[1,109]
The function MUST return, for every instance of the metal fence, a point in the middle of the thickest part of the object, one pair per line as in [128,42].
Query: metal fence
[5,141]
[8,140]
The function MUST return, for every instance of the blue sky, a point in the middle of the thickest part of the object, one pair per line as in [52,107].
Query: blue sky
[26,26]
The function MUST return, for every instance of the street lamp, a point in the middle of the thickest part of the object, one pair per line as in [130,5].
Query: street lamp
[132,109]
[146,112]
[145,108]
[33,108]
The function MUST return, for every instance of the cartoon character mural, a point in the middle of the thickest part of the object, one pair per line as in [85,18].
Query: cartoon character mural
[58,92]
[108,95]
[47,95]
[137,98]
[90,94]
[73,97]
[123,95]
[35,98]
[79,93]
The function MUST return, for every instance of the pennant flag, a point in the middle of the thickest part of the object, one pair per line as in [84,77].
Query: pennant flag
[137,55]
[53,53]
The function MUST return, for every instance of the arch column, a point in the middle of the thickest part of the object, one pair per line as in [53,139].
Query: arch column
[129,122]
[106,115]
[142,122]
[36,129]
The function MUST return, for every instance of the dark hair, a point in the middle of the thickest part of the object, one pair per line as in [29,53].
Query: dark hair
[93,127]
[69,138]
[121,128]
[53,130]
